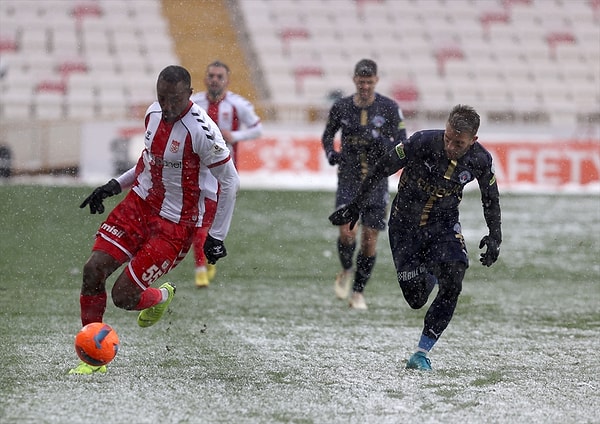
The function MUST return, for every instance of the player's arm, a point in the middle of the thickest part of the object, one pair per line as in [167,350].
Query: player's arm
[111,188]
[252,125]
[331,128]
[248,133]
[229,184]
[490,199]
[400,127]
[387,165]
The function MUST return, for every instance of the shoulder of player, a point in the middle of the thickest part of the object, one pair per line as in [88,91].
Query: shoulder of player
[196,119]
[479,152]
[153,108]
[347,101]
[200,95]
[236,99]
[385,101]
[425,136]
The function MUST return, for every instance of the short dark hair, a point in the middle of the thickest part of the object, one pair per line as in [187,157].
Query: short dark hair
[174,74]
[365,68]
[219,64]
[464,118]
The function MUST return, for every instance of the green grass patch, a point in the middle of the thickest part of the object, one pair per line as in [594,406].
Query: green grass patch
[268,342]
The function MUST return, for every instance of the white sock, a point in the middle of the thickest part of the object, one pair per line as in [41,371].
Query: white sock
[165,295]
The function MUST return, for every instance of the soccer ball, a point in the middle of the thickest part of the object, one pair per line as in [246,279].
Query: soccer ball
[97,344]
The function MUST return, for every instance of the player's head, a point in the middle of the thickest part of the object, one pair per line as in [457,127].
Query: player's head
[461,131]
[216,79]
[173,90]
[365,79]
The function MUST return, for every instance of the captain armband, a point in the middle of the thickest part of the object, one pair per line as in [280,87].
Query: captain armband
[400,151]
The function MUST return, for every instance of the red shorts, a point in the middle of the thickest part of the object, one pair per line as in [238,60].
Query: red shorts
[136,233]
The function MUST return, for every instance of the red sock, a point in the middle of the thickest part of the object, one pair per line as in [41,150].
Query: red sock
[149,297]
[92,307]
[198,244]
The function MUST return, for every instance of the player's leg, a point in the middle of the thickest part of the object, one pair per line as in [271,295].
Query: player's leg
[373,221]
[201,272]
[442,308]
[92,298]
[415,280]
[346,246]
[155,258]
[365,262]
[115,240]
[450,257]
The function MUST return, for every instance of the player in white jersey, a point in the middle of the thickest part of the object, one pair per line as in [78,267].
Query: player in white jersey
[237,121]
[152,228]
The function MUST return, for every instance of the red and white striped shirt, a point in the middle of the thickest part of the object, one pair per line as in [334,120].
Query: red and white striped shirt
[232,113]
[168,176]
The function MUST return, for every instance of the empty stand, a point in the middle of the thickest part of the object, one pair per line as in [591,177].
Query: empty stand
[74,59]
[522,59]
[537,58]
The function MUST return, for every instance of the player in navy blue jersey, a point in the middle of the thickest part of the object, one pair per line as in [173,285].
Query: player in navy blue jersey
[370,125]
[424,229]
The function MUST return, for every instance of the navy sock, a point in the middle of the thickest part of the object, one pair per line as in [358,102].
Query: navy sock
[346,253]
[364,268]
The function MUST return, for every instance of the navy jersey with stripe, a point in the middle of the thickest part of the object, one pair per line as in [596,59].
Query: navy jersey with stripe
[431,185]
[366,135]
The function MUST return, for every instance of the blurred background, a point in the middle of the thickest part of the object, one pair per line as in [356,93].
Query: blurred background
[69,68]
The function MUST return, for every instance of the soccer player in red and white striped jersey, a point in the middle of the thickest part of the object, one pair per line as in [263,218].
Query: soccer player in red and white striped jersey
[237,121]
[152,228]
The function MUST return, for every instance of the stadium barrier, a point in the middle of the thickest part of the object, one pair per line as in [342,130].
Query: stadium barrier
[293,158]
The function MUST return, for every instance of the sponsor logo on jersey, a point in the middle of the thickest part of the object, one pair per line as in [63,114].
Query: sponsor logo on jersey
[159,161]
[437,191]
[148,135]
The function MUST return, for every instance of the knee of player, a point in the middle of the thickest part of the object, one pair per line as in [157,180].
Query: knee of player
[123,301]
[94,276]
[451,279]
[416,285]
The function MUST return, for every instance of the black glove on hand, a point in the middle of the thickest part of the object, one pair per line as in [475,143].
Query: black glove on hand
[346,214]
[334,157]
[99,194]
[490,256]
[214,249]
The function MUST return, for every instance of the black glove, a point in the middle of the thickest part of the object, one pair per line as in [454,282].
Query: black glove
[214,249]
[99,194]
[346,214]
[490,256]
[334,157]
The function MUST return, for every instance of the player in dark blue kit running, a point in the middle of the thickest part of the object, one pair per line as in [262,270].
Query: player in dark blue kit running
[424,229]
[371,124]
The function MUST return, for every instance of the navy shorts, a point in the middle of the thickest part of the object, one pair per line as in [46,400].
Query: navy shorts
[374,214]
[415,249]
